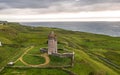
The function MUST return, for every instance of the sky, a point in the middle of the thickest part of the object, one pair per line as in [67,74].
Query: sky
[59,10]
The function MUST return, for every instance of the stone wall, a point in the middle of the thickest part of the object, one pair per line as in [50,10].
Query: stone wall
[70,55]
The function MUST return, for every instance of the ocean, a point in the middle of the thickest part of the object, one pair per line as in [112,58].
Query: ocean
[106,28]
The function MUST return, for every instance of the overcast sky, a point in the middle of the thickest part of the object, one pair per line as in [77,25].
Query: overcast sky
[60,10]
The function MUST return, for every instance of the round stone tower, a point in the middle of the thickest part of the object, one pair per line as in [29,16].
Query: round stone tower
[52,43]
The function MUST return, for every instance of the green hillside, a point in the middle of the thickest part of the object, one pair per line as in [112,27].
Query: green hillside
[94,54]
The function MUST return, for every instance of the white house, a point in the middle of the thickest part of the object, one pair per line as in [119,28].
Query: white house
[0,43]
[10,64]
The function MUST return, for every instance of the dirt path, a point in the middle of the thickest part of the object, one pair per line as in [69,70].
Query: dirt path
[24,53]
[47,60]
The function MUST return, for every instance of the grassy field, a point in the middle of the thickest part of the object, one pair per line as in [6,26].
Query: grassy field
[33,59]
[94,54]
[59,61]
[34,72]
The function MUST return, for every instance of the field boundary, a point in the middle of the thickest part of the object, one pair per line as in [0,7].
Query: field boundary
[50,67]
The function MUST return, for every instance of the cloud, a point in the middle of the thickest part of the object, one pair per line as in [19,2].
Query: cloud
[90,2]
[3,6]
[29,3]
[56,7]
[101,7]
[49,3]
[60,7]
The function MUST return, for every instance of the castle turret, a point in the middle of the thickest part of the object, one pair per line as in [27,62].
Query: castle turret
[52,43]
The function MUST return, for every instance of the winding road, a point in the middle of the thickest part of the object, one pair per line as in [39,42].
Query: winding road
[27,49]
[47,60]
[45,55]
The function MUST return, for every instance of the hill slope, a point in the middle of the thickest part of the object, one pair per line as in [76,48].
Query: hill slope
[94,54]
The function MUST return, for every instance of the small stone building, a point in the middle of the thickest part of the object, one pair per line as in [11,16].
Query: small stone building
[43,50]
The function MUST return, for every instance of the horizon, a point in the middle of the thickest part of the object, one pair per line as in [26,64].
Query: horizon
[106,28]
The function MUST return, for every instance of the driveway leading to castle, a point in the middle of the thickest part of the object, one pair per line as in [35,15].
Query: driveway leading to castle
[46,57]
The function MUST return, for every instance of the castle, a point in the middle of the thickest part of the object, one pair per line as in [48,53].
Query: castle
[52,48]
[52,43]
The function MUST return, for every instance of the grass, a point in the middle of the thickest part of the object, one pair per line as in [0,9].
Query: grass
[84,59]
[86,46]
[33,72]
[33,59]
[59,61]
[19,63]
[36,50]
[113,55]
